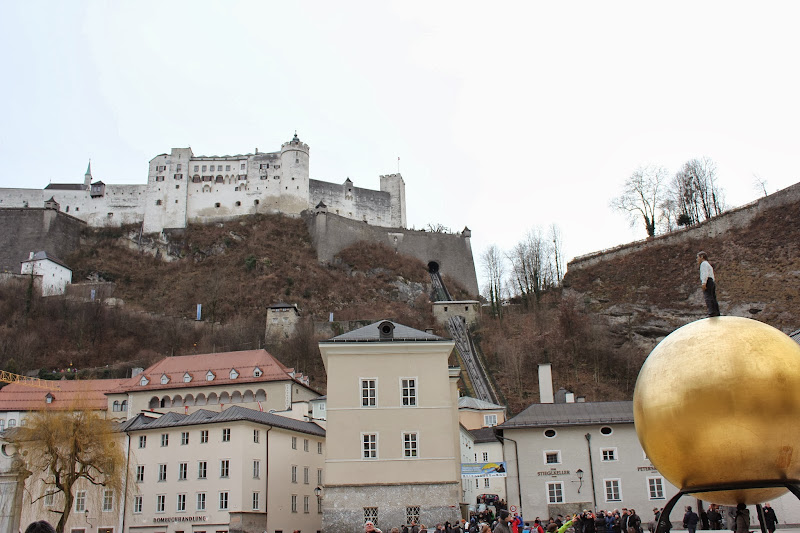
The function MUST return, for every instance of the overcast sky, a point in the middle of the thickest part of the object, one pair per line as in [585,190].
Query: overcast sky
[505,116]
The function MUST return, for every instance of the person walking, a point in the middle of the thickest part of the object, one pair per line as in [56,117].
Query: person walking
[770,519]
[742,519]
[690,520]
[709,284]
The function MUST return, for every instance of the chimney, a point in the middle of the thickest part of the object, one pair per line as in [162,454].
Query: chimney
[570,397]
[545,383]
[30,256]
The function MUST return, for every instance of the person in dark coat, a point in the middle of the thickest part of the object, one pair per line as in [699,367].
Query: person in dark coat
[714,517]
[770,519]
[690,520]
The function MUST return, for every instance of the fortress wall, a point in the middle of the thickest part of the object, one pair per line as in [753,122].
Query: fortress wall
[366,205]
[35,229]
[740,217]
[23,198]
[331,233]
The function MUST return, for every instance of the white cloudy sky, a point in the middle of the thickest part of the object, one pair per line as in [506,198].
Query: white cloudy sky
[505,115]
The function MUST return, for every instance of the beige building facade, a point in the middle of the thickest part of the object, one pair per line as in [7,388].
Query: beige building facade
[392,429]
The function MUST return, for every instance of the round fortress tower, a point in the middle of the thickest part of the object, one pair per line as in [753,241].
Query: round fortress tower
[294,176]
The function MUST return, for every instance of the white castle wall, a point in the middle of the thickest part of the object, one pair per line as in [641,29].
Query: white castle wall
[183,188]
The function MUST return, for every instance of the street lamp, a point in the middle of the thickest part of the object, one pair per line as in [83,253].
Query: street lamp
[579,473]
[318,492]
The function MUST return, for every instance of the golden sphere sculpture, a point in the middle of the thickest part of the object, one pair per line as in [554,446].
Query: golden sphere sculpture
[718,402]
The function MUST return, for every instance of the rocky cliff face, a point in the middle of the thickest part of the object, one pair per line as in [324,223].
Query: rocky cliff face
[646,290]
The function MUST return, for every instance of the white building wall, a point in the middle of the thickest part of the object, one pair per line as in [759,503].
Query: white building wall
[55,277]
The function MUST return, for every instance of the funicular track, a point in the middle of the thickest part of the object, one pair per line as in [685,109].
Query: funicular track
[482,386]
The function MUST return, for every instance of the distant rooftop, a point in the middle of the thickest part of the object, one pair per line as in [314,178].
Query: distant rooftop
[571,414]
[40,256]
[467,402]
[372,333]
[66,186]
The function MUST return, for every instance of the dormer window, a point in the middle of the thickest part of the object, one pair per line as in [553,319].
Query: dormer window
[164,379]
[234,374]
[209,376]
[144,381]
[49,398]
[257,372]
[187,377]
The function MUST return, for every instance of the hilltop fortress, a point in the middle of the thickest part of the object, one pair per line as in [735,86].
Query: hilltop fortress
[183,188]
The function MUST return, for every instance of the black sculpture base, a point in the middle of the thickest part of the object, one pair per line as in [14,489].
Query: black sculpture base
[792,485]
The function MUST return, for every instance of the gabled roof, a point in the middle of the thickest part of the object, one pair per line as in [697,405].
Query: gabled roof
[371,333]
[70,394]
[231,414]
[483,435]
[571,414]
[40,256]
[244,362]
[66,186]
[467,402]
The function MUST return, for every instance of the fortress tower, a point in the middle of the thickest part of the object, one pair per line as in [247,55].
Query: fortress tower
[396,187]
[167,191]
[294,176]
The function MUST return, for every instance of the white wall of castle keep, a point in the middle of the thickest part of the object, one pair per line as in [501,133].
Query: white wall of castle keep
[183,188]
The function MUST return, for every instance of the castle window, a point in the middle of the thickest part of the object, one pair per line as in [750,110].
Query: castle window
[178,176]
[110,215]
[255,202]
[159,178]
[238,204]
[67,209]
[77,209]
[195,179]
[265,165]
[220,180]
[297,160]
[204,168]
[216,204]
[196,168]
[177,186]
[158,202]
[178,167]
[242,166]
[264,177]
[242,177]
[227,168]
[208,178]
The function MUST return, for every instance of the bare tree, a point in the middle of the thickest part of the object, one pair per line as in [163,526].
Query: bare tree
[494,270]
[642,196]
[695,192]
[558,258]
[760,184]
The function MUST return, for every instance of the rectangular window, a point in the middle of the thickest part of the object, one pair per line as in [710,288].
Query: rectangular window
[139,473]
[242,166]
[202,469]
[178,167]
[305,475]
[489,421]
[319,448]
[486,482]
[305,504]
[49,499]
[161,502]
[409,392]
[142,441]
[294,473]
[227,168]
[108,501]
[555,492]
[294,503]
[371,515]
[184,438]
[204,168]
[226,435]
[224,467]
[655,487]
[409,444]
[256,434]
[369,445]
[485,457]
[165,439]
[319,476]
[256,501]
[201,501]
[180,505]
[610,454]
[552,457]
[204,436]
[183,468]
[256,469]
[196,168]
[369,393]
[412,514]
[294,443]
[612,490]
[305,445]
[137,504]
[223,501]
[162,472]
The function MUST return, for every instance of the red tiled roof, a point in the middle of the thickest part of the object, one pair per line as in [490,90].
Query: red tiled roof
[221,364]
[70,394]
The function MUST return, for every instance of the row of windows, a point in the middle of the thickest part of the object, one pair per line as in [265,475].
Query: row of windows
[371,514]
[219,179]
[197,168]
[305,445]
[612,487]
[223,502]
[210,376]
[80,501]
[551,433]
[224,471]
[225,436]
[553,457]
[369,445]
[369,392]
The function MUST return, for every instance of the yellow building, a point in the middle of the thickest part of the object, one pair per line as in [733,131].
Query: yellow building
[392,429]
